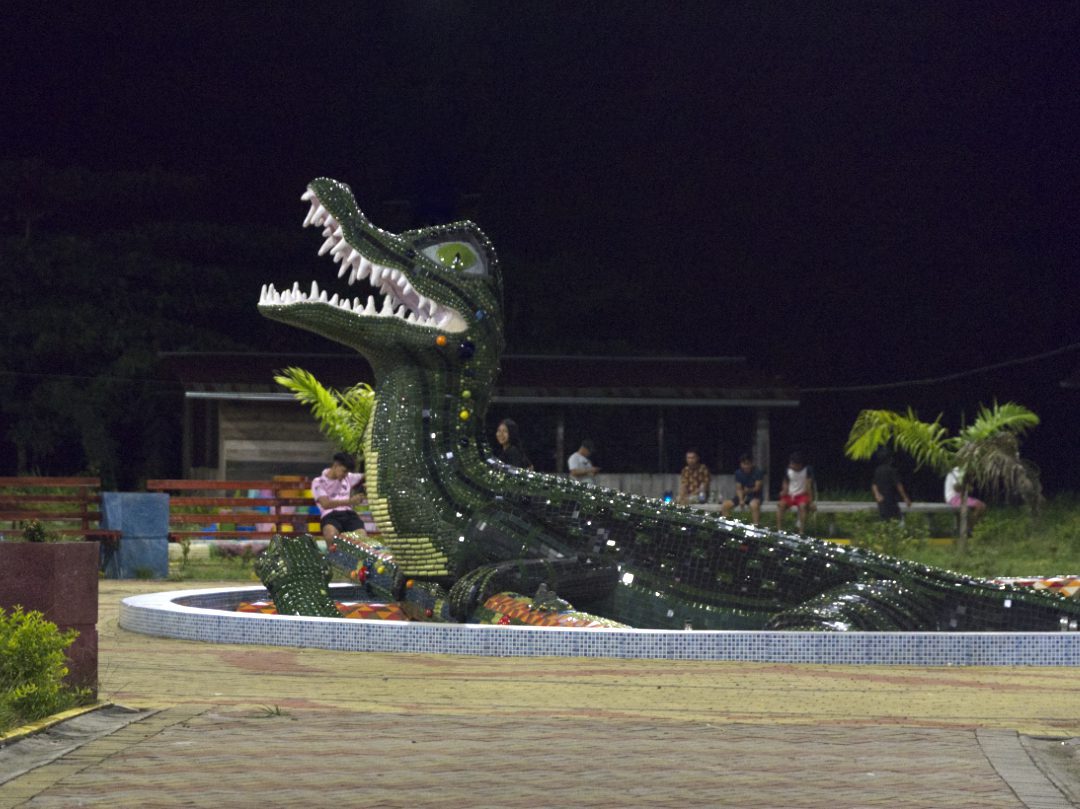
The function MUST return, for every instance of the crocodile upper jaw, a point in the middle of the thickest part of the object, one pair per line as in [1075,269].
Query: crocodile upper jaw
[398,296]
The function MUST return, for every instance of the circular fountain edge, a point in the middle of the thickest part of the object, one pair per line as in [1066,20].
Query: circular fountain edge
[209,615]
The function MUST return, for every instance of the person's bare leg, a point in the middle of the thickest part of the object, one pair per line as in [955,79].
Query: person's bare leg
[755,511]
[977,512]
[330,533]
[725,509]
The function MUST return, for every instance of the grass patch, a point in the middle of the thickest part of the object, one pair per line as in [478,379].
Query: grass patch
[225,562]
[1010,541]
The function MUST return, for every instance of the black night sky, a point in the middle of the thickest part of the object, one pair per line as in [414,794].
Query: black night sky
[847,193]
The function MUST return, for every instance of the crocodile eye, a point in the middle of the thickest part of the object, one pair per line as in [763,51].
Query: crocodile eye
[458,256]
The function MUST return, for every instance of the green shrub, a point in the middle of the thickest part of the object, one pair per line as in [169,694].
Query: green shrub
[32,669]
[34,531]
[890,537]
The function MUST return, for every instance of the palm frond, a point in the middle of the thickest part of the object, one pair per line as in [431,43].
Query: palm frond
[342,417]
[924,441]
[994,465]
[1009,417]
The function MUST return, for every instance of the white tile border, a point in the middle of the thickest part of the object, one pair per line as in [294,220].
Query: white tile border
[162,614]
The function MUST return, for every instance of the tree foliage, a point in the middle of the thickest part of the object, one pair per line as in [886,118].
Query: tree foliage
[102,273]
[343,416]
[987,451]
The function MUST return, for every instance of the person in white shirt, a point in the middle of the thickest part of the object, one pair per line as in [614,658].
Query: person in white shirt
[579,465]
[954,492]
[796,491]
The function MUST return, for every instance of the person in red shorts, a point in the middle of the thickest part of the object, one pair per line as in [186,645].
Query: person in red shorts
[796,491]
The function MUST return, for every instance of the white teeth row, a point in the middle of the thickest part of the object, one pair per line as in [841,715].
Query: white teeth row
[389,281]
[389,308]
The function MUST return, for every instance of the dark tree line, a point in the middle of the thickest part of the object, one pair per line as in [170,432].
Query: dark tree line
[102,272]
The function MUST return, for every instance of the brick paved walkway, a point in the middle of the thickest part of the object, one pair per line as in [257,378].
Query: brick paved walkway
[233,726]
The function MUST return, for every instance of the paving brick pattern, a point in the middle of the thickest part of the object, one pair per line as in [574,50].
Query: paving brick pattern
[239,726]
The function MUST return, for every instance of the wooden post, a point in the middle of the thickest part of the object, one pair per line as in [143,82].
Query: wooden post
[762,449]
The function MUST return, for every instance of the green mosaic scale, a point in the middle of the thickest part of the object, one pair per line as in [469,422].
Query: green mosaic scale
[466,527]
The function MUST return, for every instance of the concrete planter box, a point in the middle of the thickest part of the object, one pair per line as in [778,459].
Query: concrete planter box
[60,580]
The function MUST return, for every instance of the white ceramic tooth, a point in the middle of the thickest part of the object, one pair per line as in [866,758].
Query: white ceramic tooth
[353,257]
[370,308]
[307,195]
[341,246]
[376,274]
[352,274]
[344,268]
[314,289]
[363,268]
[406,287]
[324,299]
[320,215]
[387,307]
[310,214]
[338,231]
[329,243]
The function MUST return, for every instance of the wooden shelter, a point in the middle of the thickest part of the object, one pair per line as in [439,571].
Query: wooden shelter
[239,423]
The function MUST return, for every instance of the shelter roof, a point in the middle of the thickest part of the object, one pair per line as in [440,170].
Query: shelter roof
[523,379]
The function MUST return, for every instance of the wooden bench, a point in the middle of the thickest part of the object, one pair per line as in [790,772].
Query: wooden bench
[70,507]
[831,508]
[237,509]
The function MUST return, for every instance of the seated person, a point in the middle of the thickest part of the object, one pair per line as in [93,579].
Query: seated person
[694,480]
[579,464]
[887,488]
[796,491]
[509,448]
[337,491]
[749,489]
[954,493]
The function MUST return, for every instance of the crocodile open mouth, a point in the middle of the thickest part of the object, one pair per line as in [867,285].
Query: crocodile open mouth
[395,297]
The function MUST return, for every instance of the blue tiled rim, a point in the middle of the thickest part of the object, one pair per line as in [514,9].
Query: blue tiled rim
[209,616]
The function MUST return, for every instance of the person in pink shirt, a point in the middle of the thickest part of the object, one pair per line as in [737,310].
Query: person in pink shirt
[336,493]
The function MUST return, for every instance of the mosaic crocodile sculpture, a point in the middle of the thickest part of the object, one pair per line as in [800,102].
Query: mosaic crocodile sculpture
[457,527]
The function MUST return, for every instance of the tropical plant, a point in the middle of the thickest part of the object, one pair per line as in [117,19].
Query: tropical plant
[32,668]
[987,451]
[342,415]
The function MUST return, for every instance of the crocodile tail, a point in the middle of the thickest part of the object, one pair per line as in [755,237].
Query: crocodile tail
[877,606]
[574,580]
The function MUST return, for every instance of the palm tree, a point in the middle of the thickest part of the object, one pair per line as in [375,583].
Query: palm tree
[342,415]
[987,451]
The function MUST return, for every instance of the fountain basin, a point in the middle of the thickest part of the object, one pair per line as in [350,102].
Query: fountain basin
[209,615]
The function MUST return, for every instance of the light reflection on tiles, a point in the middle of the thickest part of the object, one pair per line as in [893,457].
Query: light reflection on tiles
[207,615]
